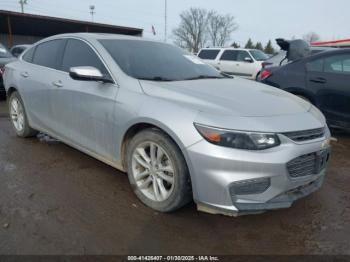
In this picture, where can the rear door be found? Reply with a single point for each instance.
(36, 74)
(330, 76)
(84, 109)
(209, 56)
(233, 62)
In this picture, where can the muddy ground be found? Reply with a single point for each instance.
(57, 200)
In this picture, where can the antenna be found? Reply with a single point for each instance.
(22, 3)
(92, 12)
(165, 20)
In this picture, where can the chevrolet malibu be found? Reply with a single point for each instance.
(179, 128)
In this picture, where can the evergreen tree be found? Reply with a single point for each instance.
(249, 44)
(269, 48)
(235, 45)
(259, 46)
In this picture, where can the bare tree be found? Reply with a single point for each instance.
(191, 33)
(220, 28)
(311, 37)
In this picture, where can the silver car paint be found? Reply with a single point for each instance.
(94, 118)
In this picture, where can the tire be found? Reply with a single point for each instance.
(18, 116)
(169, 172)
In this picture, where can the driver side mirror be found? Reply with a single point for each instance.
(88, 73)
(248, 59)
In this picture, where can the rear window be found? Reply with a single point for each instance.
(209, 54)
(46, 53)
(28, 56)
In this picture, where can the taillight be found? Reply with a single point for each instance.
(265, 74)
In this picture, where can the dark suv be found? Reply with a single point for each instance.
(323, 79)
(5, 57)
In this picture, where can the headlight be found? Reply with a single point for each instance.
(238, 139)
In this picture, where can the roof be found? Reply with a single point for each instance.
(338, 43)
(44, 26)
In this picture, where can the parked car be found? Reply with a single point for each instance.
(17, 50)
(279, 59)
(234, 61)
(5, 57)
(323, 79)
(177, 126)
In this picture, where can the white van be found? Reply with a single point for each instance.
(246, 63)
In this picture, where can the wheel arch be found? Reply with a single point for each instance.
(139, 126)
(11, 90)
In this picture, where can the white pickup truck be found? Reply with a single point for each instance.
(235, 61)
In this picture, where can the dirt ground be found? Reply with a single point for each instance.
(57, 200)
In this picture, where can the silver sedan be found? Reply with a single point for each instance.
(179, 128)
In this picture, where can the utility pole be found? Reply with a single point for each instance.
(92, 12)
(22, 3)
(165, 20)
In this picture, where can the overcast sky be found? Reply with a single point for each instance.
(259, 19)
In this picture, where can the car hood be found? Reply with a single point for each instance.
(237, 97)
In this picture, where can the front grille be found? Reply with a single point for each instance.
(301, 136)
(304, 165)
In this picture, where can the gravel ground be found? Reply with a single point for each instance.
(57, 200)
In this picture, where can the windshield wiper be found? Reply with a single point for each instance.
(156, 78)
(204, 77)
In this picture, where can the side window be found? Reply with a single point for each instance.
(242, 55)
(339, 64)
(46, 53)
(315, 66)
(28, 56)
(78, 53)
(209, 54)
(229, 55)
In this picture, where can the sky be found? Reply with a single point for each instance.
(260, 20)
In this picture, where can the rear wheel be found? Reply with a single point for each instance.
(157, 171)
(18, 116)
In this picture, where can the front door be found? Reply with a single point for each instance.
(85, 108)
(330, 77)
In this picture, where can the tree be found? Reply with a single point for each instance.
(259, 46)
(220, 28)
(235, 45)
(269, 48)
(311, 37)
(192, 31)
(249, 44)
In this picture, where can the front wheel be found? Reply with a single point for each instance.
(18, 116)
(157, 171)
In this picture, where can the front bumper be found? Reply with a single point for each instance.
(215, 169)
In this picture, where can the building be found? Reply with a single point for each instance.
(338, 43)
(18, 28)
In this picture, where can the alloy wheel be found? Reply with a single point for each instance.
(153, 171)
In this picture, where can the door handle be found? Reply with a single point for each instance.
(24, 74)
(57, 83)
(319, 80)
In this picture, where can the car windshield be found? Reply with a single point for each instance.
(259, 55)
(155, 61)
(4, 53)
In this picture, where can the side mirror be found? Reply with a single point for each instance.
(248, 59)
(88, 73)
